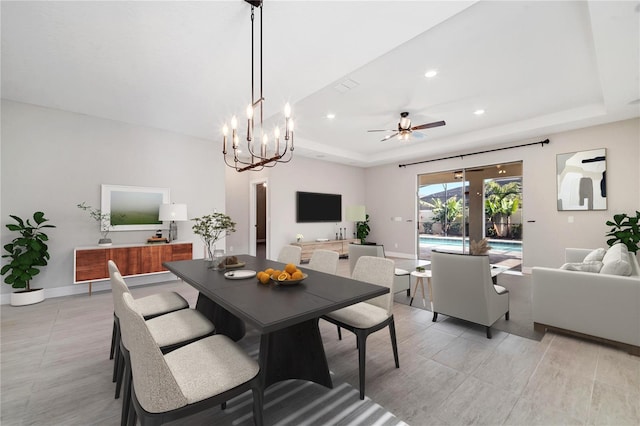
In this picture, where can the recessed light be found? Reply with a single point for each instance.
(331, 116)
(478, 112)
(431, 73)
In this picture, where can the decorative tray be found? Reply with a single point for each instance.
(288, 282)
(241, 274)
(235, 265)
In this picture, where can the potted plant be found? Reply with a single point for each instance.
(211, 228)
(103, 219)
(362, 229)
(27, 253)
(625, 229)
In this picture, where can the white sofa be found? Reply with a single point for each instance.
(601, 306)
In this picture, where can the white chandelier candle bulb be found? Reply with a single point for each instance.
(263, 150)
(291, 131)
(249, 123)
(225, 132)
(276, 135)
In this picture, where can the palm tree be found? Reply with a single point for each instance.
(501, 201)
(445, 212)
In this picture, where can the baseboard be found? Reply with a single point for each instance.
(632, 349)
(105, 285)
(399, 255)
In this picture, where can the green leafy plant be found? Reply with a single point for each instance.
(363, 229)
(625, 229)
(446, 212)
(213, 227)
(103, 219)
(28, 252)
(501, 201)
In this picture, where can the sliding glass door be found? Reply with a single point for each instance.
(443, 209)
(460, 206)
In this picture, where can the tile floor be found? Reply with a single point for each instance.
(55, 369)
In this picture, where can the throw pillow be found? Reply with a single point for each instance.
(616, 261)
(584, 267)
(595, 256)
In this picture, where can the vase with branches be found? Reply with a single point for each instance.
(212, 228)
(103, 219)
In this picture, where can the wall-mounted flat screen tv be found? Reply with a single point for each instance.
(317, 207)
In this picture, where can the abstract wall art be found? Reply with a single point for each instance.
(582, 183)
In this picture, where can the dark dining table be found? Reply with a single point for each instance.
(285, 316)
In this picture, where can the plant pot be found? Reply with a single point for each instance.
(27, 297)
(103, 242)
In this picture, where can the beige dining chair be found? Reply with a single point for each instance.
(193, 378)
(150, 306)
(402, 278)
(324, 261)
(290, 254)
(372, 315)
(169, 331)
(462, 288)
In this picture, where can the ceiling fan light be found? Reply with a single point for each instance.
(431, 73)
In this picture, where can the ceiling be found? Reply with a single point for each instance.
(535, 68)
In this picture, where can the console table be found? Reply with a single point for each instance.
(341, 246)
(90, 263)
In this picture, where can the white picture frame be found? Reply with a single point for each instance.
(133, 208)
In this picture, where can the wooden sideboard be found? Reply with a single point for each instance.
(90, 263)
(341, 246)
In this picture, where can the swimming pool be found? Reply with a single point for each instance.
(457, 241)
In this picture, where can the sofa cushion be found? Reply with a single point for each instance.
(584, 267)
(595, 256)
(616, 261)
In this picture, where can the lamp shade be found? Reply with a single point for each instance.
(173, 212)
(356, 214)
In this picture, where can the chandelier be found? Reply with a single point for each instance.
(264, 155)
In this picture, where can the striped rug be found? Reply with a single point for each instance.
(299, 402)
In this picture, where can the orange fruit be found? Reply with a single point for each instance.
(269, 271)
(275, 274)
(290, 268)
(284, 276)
(297, 275)
(264, 278)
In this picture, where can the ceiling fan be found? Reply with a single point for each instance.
(405, 129)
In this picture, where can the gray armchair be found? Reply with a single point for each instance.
(462, 288)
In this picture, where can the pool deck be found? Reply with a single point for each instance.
(511, 259)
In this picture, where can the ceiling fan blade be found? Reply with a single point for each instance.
(386, 130)
(386, 138)
(429, 125)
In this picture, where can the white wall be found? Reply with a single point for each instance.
(391, 191)
(301, 174)
(53, 160)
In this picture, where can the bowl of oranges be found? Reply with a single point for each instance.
(290, 275)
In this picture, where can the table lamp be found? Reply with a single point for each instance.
(356, 214)
(173, 212)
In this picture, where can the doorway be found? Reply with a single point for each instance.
(258, 230)
(460, 206)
